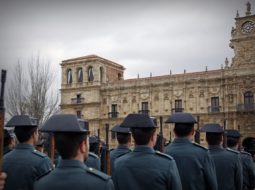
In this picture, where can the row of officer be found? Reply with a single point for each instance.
(233, 140)
(188, 165)
(227, 161)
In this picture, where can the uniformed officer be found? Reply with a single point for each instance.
(71, 140)
(227, 162)
(194, 163)
(249, 146)
(233, 138)
(124, 142)
(9, 140)
(144, 168)
(93, 160)
(24, 164)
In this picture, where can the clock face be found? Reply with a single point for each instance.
(247, 27)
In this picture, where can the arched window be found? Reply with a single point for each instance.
(79, 75)
(101, 74)
(119, 76)
(90, 74)
(248, 98)
(69, 76)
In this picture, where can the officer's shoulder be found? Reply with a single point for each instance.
(98, 174)
(164, 155)
(200, 146)
(233, 151)
(245, 153)
(91, 154)
(112, 149)
(39, 154)
(46, 173)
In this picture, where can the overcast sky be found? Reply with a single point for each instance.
(145, 36)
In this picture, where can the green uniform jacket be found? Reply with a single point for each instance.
(146, 169)
(194, 163)
(93, 161)
(121, 150)
(73, 174)
(228, 168)
(248, 171)
(23, 166)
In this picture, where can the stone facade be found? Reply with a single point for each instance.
(93, 88)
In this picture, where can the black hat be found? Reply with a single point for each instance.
(119, 129)
(181, 118)
(22, 120)
(212, 128)
(233, 133)
(138, 121)
(64, 123)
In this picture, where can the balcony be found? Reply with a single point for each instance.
(147, 112)
(214, 109)
(245, 107)
(175, 110)
(77, 100)
(113, 114)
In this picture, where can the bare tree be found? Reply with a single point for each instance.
(30, 91)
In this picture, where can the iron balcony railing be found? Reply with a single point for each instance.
(77, 100)
(113, 114)
(214, 109)
(174, 110)
(245, 107)
(147, 112)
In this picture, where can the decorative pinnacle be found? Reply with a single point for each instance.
(226, 62)
(248, 8)
(237, 14)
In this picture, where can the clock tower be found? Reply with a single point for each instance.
(243, 39)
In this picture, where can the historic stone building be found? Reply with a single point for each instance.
(93, 88)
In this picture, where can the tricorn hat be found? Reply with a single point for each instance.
(138, 121)
(233, 133)
(181, 118)
(119, 129)
(212, 128)
(22, 120)
(64, 123)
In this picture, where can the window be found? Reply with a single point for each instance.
(178, 105)
(113, 135)
(78, 98)
(90, 74)
(101, 74)
(119, 76)
(78, 113)
(248, 100)
(79, 75)
(145, 108)
(114, 112)
(69, 76)
(215, 104)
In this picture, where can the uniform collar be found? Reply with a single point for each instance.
(122, 147)
(181, 140)
(213, 147)
(142, 148)
(25, 146)
(71, 163)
